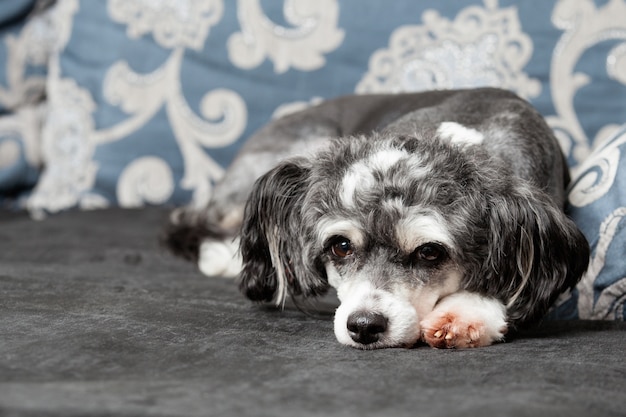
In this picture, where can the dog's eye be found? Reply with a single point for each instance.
(341, 247)
(430, 252)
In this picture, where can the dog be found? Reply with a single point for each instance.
(437, 217)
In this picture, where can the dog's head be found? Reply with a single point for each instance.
(395, 224)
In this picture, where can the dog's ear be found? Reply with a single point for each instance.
(534, 253)
(272, 238)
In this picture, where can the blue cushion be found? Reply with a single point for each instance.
(162, 108)
(598, 206)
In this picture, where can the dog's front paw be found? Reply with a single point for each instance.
(451, 331)
(464, 320)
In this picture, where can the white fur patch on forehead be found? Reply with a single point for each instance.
(329, 227)
(419, 226)
(360, 176)
(386, 158)
(459, 134)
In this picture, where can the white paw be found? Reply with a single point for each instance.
(220, 259)
(464, 320)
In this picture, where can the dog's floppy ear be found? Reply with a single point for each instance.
(272, 237)
(534, 252)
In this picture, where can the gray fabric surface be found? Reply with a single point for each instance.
(96, 319)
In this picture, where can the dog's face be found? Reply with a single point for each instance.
(379, 230)
(394, 225)
(387, 280)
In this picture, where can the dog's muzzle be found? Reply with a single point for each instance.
(366, 327)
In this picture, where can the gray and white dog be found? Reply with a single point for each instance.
(436, 216)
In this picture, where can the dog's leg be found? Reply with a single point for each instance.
(208, 235)
(207, 238)
(464, 320)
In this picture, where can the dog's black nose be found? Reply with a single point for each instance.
(366, 327)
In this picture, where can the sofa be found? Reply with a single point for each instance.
(114, 112)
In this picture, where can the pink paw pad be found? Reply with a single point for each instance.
(450, 331)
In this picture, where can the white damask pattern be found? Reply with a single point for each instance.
(67, 150)
(70, 137)
(30, 47)
(146, 179)
(63, 18)
(596, 179)
(142, 95)
(598, 172)
(302, 46)
(584, 26)
(223, 112)
(481, 47)
(173, 23)
(610, 303)
(69, 169)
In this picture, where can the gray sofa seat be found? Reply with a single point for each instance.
(96, 319)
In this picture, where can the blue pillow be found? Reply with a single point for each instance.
(139, 110)
(154, 99)
(597, 199)
(149, 103)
